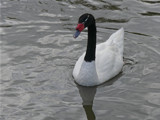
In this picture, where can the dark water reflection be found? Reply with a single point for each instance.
(38, 54)
(87, 94)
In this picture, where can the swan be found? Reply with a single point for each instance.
(100, 62)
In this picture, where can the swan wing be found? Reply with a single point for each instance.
(109, 56)
(108, 63)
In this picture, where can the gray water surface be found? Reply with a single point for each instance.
(38, 54)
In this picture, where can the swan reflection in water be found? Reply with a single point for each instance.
(87, 94)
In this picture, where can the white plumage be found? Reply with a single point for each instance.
(108, 62)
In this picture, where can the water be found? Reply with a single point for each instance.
(38, 54)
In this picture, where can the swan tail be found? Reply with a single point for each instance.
(117, 39)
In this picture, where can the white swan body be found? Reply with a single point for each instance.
(108, 62)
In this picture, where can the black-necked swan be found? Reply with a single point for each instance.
(100, 62)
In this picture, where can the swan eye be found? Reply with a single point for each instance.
(85, 20)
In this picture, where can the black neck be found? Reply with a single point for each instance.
(91, 45)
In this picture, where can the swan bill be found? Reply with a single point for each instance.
(76, 34)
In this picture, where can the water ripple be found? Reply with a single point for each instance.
(38, 54)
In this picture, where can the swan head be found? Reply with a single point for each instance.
(84, 21)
